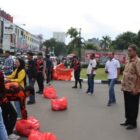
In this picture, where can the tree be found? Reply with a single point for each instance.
(91, 47)
(76, 42)
(52, 46)
(123, 40)
(60, 49)
(105, 43)
(72, 32)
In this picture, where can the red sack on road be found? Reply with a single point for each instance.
(49, 92)
(24, 127)
(59, 104)
(36, 135)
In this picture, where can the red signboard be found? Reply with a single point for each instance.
(121, 57)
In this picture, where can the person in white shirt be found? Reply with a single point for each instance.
(91, 72)
(112, 68)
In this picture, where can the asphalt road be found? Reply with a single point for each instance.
(87, 117)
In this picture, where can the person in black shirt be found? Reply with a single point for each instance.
(32, 74)
(49, 68)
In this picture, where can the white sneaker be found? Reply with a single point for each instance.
(13, 137)
(18, 118)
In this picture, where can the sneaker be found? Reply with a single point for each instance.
(30, 102)
(38, 91)
(130, 127)
(13, 137)
(18, 118)
(74, 87)
(89, 93)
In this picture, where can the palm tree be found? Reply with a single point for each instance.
(76, 40)
(105, 42)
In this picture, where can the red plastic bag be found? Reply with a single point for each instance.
(24, 127)
(36, 135)
(50, 93)
(59, 104)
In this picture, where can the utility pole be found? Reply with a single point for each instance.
(79, 44)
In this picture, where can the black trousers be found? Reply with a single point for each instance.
(9, 117)
(131, 107)
(77, 78)
(40, 81)
(48, 74)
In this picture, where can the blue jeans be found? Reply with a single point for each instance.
(111, 83)
(3, 133)
(18, 109)
(32, 83)
(90, 83)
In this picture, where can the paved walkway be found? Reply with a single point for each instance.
(87, 117)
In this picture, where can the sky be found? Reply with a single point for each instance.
(96, 18)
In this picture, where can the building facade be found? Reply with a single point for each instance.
(13, 37)
(6, 30)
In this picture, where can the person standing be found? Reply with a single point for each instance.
(77, 70)
(112, 68)
(41, 66)
(49, 68)
(131, 88)
(9, 63)
(32, 74)
(91, 72)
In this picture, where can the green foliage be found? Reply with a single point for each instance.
(105, 43)
(59, 48)
(124, 40)
(50, 43)
(91, 47)
(84, 65)
(76, 42)
(72, 32)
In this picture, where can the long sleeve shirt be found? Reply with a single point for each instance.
(19, 79)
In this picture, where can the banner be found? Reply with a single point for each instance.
(8, 28)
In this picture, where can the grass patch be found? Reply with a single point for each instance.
(100, 74)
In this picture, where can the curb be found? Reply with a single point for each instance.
(98, 81)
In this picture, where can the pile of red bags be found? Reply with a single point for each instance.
(49, 92)
(24, 127)
(59, 104)
(36, 135)
(61, 73)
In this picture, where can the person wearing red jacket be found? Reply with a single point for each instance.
(41, 68)
(77, 70)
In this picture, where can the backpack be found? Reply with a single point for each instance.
(12, 87)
